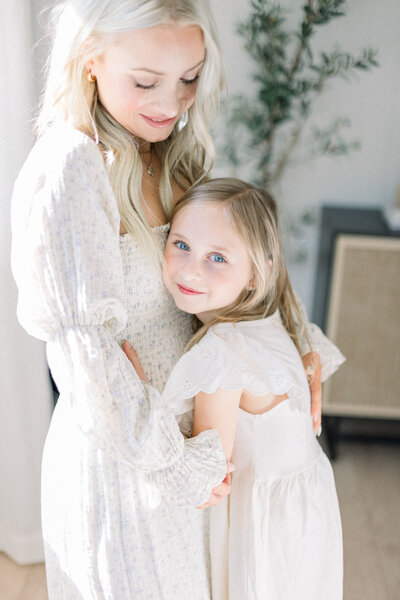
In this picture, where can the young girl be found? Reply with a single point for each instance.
(278, 535)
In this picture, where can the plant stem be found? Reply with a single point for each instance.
(282, 162)
(284, 157)
(300, 49)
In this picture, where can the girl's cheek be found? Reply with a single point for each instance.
(217, 275)
(171, 261)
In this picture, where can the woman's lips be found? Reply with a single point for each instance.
(188, 291)
(158, 123)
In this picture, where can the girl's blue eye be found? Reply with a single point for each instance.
(182, 246)
(218, 258)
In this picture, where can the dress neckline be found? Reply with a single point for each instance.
(250, 323)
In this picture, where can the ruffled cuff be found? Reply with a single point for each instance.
(189, 481)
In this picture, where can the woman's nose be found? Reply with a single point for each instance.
(168, 103)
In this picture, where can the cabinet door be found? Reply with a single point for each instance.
(364, 321)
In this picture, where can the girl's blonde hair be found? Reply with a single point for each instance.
(253, 214)
(83, 29)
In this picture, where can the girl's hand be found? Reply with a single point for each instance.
(312, 366)
(222, 490)
(134, 359)
(219, 492)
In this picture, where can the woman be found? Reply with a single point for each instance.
(124, 130)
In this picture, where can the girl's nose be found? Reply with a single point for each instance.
(193, 271)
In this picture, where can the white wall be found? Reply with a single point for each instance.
(369, 177)
(25, 393)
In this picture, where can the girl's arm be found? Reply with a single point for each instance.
(223, 489)
(218, 411)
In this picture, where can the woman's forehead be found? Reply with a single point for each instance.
(159, 49)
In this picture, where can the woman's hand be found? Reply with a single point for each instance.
(134, 359)
(312, 366)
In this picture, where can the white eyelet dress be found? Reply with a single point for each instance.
(278, 535)
(119, 484)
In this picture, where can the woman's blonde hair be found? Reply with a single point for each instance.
(83, 29)
(253, 214)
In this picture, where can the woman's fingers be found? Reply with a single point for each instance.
(134, 359)
(312, 366)
(315, 389)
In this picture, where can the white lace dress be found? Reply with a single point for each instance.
(119, 483)
(278, 535)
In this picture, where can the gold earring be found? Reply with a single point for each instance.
(90, 77)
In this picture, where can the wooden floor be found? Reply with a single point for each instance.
(21, 583)
(368, 483)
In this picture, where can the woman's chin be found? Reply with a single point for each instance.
(150, 134)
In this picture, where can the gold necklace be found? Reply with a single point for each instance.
(149, 166)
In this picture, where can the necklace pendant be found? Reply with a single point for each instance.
(150, 170)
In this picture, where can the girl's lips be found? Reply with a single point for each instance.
(188, 291)
(159, 124)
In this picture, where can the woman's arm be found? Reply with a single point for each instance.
(68, 268)
(327, 356)
(320, 361)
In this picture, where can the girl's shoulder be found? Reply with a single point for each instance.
(260, 337)
(256, 329)
(258, 356)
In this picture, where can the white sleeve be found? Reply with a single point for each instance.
(330, 355)
(67, 265)
(232, 361)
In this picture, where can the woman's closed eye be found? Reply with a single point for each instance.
(142, 86)
(151, 86)
(191, 81)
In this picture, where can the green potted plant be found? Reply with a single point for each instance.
(290, 77)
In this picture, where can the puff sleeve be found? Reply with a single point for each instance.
(227, 357)
(330, 355)
(67, 265)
